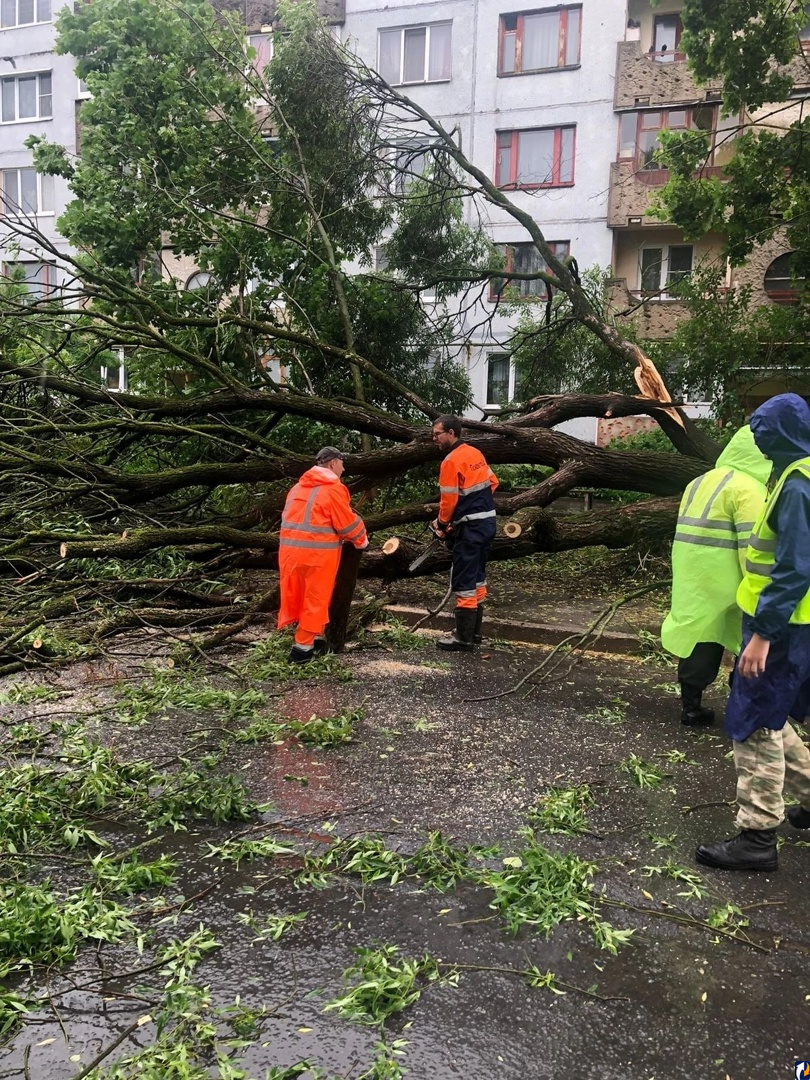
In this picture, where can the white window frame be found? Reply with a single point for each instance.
(254, 41)
(48, 276)
(510, 391)
(123, 378)
(662, 292)
(82, 93)
(16, 79)
(402, 30)
(38, 6)
(12, 212)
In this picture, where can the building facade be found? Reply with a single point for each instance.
(561, 105)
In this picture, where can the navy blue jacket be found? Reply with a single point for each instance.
(781, 430)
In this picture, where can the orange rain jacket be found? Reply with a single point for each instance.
(466, 484)
(317, 519)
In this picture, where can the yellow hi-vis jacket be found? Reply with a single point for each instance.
(715, 518)
(761, 554)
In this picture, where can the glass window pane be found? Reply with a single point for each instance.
(8, 99)
(504, 158)
(8, 13)
(45, 95)
(46, 192)
(680, 262)
(390, 43)
(440, 52)
(572, 37)
(263, 44)
(703, 117)
(541, 41)
(651, 260)
(528, 260)
(666, 31)
(44, 10)
(627, 135)
(27, 96)
(11, 192)
(498, 380)
(535, 157)
(508, 52)
(414, 67)
(647, 145)
(28, 191)
(676, 118)
(566, 155)
(26, 11)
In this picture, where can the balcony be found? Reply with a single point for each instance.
(643, 81)
(655, 319)
(631, 190)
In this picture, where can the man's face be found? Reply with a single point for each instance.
(443, 439)
(337, 467)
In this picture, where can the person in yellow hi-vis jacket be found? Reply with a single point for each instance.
(715, 518)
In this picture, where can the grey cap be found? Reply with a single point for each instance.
(327, 454)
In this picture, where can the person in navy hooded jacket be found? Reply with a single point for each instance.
(772, 680)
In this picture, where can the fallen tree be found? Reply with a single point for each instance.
(124, 507)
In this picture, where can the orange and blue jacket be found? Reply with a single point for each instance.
(318, 516)
(466, 484)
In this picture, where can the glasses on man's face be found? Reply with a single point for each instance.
(436, 434)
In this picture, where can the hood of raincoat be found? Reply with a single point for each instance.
(781, 429)
(317, 476)
(742, 454)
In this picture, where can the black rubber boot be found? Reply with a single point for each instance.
(461, 640)
(321, 646)
(750, 849)
(479, 619)
(300, 656)
(798, 817)
(693, 713)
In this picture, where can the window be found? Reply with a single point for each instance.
(200, 280)
(783, 282)
(415, 54)
(662, 267)
(804, 33)
(412, 157)
(666, 38)
(114, 376)
(640, 133)
(25, 191)
(24, 12)
(82, 91)
(539, 40)
(499, 373)
(36, 276)
(26, 97)
(540, 158)
(380, 258)
(524, 259)
(263, 46)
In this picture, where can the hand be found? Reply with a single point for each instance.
(436, 527)
(364, 545)
(753, 657)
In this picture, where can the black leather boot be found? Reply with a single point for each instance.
(300, 656)
(750, 849)
(479, 619)
(694, 714)
(461, 640)
(798, 817)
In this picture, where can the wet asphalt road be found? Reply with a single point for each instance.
(685, 1003)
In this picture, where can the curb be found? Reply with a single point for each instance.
(529, 633)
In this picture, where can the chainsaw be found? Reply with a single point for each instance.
(433, 548)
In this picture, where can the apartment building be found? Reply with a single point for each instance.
(562, 105)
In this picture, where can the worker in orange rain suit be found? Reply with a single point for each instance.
(317, 520)
(467, 521)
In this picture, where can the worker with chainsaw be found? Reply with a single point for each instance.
(772, 678)
(467, 522)
(715, 518)
(317, 520)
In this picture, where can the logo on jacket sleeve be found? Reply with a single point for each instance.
(802, 1070)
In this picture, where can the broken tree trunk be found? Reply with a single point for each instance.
(342, 597)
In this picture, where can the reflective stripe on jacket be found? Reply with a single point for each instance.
(466, 484)
(761, 553)
(318, 516)
(715, 519)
